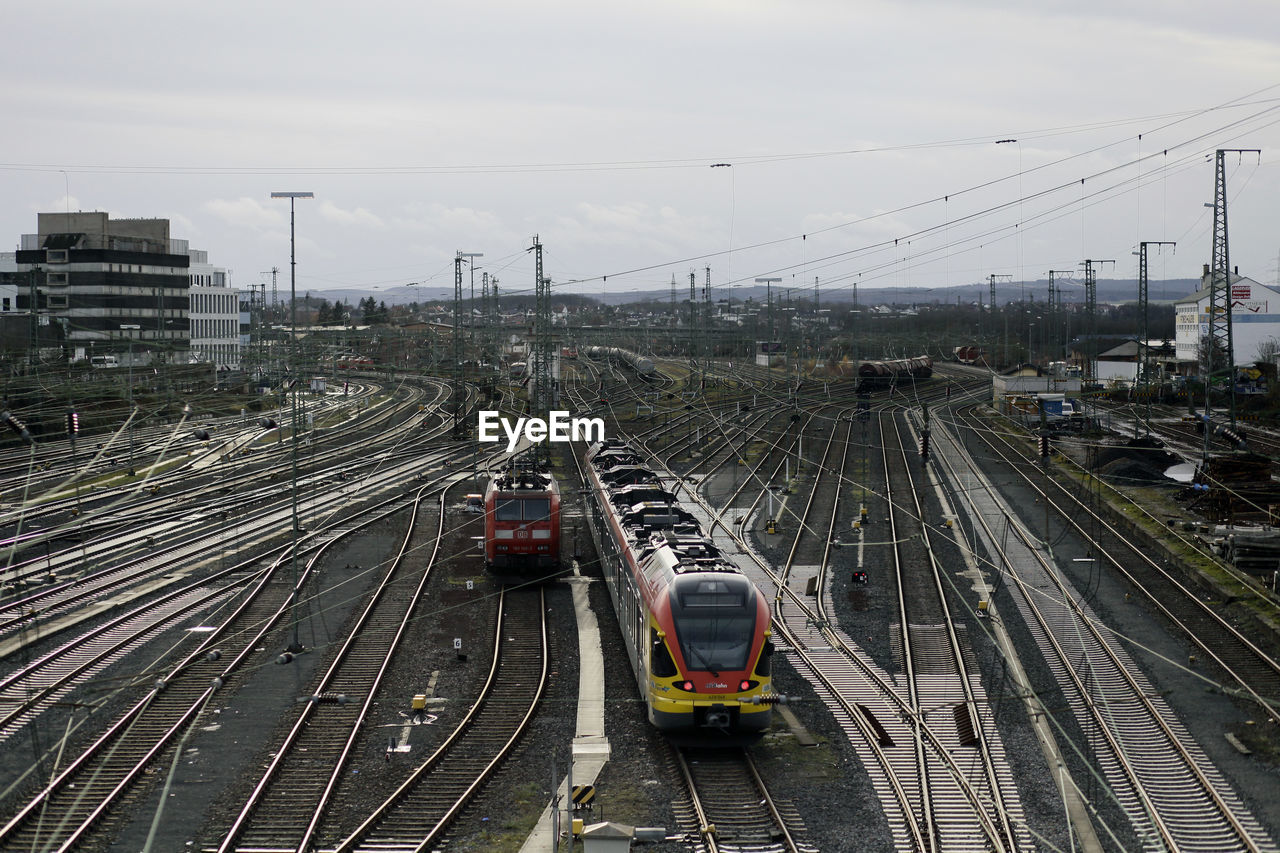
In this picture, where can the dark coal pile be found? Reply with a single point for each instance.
(1140, 461)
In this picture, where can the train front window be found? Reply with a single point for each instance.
(537, 509)
(714, 620)
(507, 510)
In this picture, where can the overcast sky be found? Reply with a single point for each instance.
(864, 137)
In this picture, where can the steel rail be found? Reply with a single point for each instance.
(885, 690)
(958, 658)
(110, 741)
(431, 832)
(1269, 706)
(710, 829)
(1104, 721)
(341, 660)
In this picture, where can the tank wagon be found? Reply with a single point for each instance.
(696, 628)
(883, 374)
(641, 365)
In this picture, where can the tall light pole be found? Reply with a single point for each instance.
(294, 644)
(471, 307)
(130, 327)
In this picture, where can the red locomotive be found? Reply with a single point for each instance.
(696, 629)
(522, 526)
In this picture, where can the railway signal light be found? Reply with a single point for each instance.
(924, 445)
(17, 426)
(73, 424)
(1235, 436)
(1044, 447)
(859, 577)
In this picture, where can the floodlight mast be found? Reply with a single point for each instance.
(295, 645)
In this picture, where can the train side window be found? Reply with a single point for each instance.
(660, 661)
(507, 510)
(764, 666)
(537, 509)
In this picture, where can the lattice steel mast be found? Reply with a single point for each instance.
(1221, 347)
(541, 390)
(457, 346)
(459, 428)
(1091, 316)
(1144, 367)
(1055, 307)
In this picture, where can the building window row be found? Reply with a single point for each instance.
(202, 328)
(213, 303)
(143, 268)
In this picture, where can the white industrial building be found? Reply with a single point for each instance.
(215, 314)
(1255, 322)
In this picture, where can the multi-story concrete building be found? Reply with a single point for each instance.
(8, 282)
(116, 286)
(214, 313)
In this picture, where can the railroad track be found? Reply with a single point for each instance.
(416, 817)
(69, 808)
(865, 701)
(37, 685)
(130, 504)
(1156, 773)
(34, 614)
(286, 805)
(732, 807)
(1255, 673)
(957, 816)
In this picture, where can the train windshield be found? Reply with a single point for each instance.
(522, 509)
(537, 509)
(714, 619)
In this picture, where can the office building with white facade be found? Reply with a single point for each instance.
(215, 314)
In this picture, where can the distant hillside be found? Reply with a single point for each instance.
(1109, 290)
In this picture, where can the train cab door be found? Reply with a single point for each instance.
(641, 643)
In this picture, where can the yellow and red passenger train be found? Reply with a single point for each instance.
(522, 526)
(696, 629)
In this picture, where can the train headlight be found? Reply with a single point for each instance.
(686, 686)
(744, 686)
